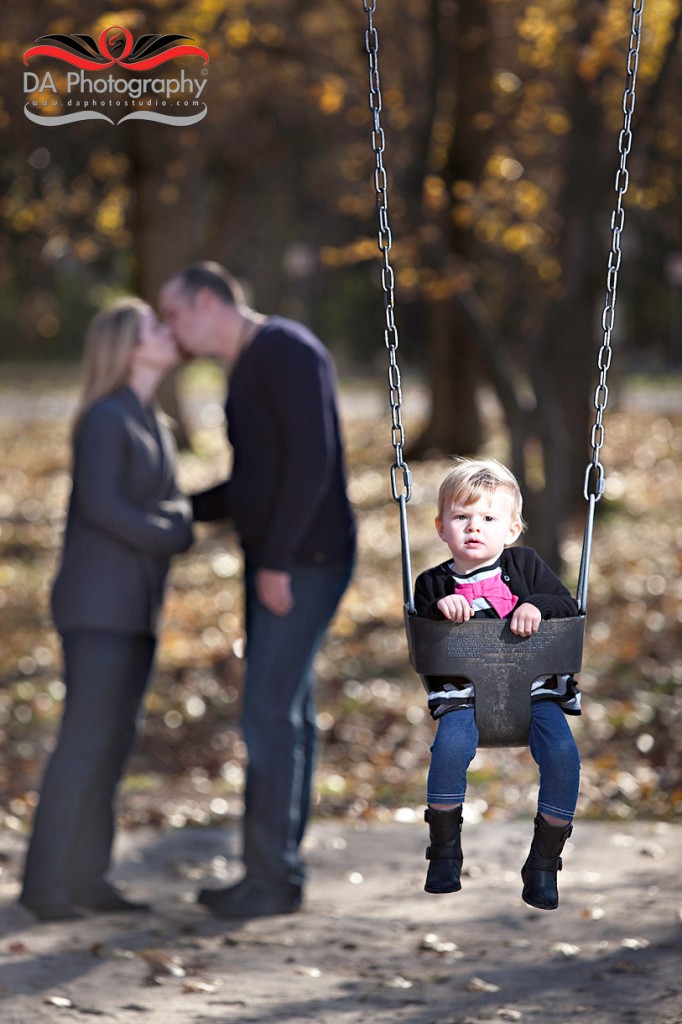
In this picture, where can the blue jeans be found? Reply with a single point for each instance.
(279, 720)
(105, 675)
(551, 744)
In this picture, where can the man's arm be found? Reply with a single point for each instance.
(214, 503)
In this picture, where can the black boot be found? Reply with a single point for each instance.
(543, 861)
(444, 852)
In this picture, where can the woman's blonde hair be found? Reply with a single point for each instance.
(109, 342)
(471, 478)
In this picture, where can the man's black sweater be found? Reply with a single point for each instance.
(287, 492)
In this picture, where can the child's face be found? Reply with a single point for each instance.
(478, 532)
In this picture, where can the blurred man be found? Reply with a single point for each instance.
(287, 500)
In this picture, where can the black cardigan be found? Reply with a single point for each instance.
(526, 575)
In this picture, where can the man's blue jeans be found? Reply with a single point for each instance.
(279, 720)
(551, 744)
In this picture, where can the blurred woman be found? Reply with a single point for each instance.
(126, 519)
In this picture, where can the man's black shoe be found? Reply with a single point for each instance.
(251, 899)
(207, 897)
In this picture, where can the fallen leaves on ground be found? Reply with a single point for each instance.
(374, 731)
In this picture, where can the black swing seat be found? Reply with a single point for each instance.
(501, 666)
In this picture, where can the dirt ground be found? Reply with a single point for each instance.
(370, 946)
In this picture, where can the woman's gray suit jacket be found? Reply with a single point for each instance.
(125, 520)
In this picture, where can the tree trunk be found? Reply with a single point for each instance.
(166, 176)
(454, 427)
(565, 371)
(454, 368)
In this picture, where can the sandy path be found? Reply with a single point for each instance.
(370, 946)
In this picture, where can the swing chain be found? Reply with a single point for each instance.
(385, 242)
(594, 474)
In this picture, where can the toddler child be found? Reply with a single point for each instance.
(479, 517)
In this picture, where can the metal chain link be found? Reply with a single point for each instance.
(385, 242)
(594, 473)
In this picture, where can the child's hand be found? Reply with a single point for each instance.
(455, 607)
(526, 619)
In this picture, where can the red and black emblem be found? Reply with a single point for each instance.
(115, 46)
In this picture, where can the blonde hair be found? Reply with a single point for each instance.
(109, 342)
(471, 478)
